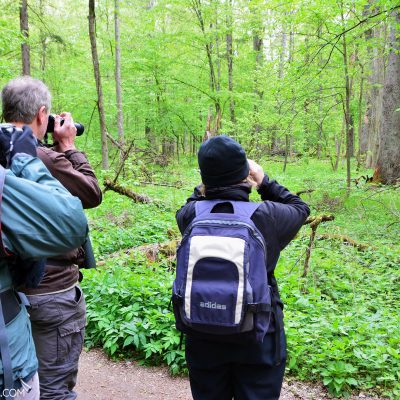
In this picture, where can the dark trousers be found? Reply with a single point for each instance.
(222, 371)
(58, 327)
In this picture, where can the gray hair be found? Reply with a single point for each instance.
(22, 98)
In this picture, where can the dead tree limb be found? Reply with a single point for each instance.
(115, 142)
(152, 251)
(177, 185)
(345, 239)
(124, 158)
(319, 219)
(300, 192)
(314, 223)
(137, 198)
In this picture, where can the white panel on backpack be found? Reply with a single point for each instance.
(227, 248)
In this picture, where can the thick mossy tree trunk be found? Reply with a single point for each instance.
(388, 164)
(373, 112)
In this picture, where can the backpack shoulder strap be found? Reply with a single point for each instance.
(242, 208)
(204, 207)
(245, 208)
(3, 251)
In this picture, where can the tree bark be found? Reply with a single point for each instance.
(361, 138)
(229, 56)
(97, 76)
(43, 38)
(373, 113)
(258, 59)
(214, 82)
(388, 164)
(25, 48)
(346, 106)
(137, 198)
(120, 119)
(258, 45)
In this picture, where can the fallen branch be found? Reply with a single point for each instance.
(346, 240)
(151, 251)
(115, 142)
(300, 192)
(166, 249)
(314, 223)
(177, 185)
(318, 219)
(124, 158)
(138, 198)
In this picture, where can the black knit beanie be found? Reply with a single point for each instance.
(222, 162)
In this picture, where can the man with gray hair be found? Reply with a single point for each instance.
(57, 310)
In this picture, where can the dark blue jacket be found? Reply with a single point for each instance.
(279, 217)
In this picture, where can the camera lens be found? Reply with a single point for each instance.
(50, 126)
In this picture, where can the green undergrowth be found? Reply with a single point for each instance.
(342, 319)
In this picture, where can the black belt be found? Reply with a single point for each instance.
(10, 305)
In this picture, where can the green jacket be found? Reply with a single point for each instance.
(39, 219)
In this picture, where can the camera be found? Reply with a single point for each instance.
(50, 126)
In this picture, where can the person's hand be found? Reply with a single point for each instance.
(64, 135)
(256, 172)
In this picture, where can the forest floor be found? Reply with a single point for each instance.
(103, 379)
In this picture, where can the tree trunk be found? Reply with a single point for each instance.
(320, 103)
(388, 164)
(229, 56)
(97, 76)
(218, 58)
(214, 81)
(346, 105)
(25, 48)
(258, 46)
(362, 143)
(291, 52)
(373, 112)
(338, 146)
(43, 38)
(282, 57)
(120, 119)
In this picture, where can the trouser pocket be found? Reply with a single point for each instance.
(70, 340)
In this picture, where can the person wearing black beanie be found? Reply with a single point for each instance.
(222, 162)
(220, 368)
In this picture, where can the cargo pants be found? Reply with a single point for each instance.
(58, 327)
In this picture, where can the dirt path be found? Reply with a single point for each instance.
(102, 379)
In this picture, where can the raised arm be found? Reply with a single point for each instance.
(287, 210)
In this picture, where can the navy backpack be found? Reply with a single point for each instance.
(221, 287)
